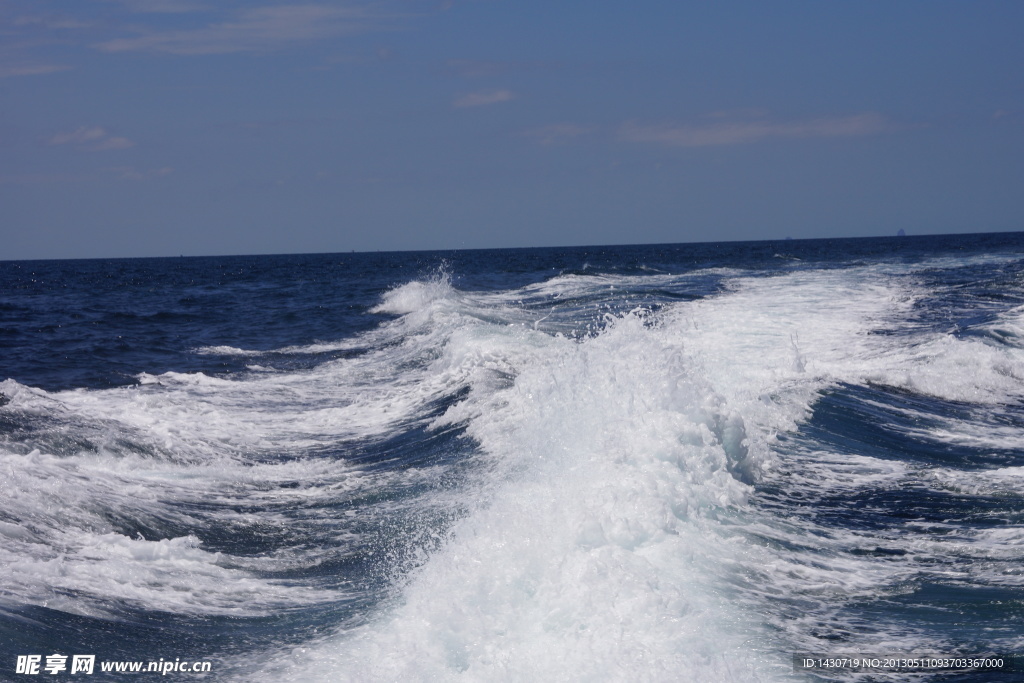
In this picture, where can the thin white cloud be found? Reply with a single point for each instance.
(79, 136)
(51, 22)
(484, 98)
(11, 70)
(132, 173)
(738, 114)
(264, 28)
(558, 133)
(119, 172)
(1008, 115)
(162, 6)
(739, 132)
(475, 68)
(41, 178)
(91, 138)
(112, 143)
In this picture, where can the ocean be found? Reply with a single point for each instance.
(689, 462)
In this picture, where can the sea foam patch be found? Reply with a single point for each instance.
(622, 452)
(598, 489)
(590, 545)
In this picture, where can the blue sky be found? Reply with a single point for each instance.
(166, 127)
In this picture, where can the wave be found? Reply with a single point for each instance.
(612, 461)
(604, 460)
(596, 509)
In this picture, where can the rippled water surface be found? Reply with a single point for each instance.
(661, 463)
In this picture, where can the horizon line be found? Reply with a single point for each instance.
(901, 234)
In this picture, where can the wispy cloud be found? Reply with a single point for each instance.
(91, 138)
(9, 70)
(739, 132)
(264, 28)
(41, 178)
(483, 98)
(129, 173)
(162, 6)
(558, 133)
(79, 136)
(476, 68)
(1008, 115)
(112, 143)
(132, 173)
(50, 22)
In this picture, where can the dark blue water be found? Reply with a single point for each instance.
(594, 463)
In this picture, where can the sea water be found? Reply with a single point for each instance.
(640, 463)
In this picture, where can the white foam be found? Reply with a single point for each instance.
(607, 532)
(418, 296)
(67, 552)
(1002, 481)
(96, 574)
(226, 351)
(821, 324)
(585, 552)
(595, 547)
(1009, 328)
(592, 544)
(955, 369)
(299, 349)
(771, 344)
(187, 450)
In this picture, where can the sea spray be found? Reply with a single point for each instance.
(591, 549)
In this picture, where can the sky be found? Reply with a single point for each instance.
(200, 127)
